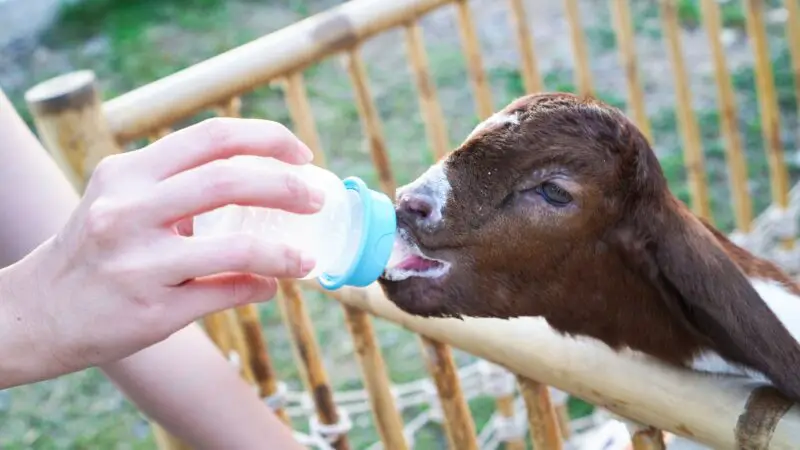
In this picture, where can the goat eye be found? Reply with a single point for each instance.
(554, 194)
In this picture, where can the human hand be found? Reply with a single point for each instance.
(125, 272)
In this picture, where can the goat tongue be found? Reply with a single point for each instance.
(417, 264)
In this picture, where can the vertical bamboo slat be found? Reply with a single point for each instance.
(259, 362)
(458, 421)
(793, 35)
(384, 409)
(307, 353)
(302, 118)
(583, 73)
(648, 439)
(370, 122)
(472, 51)
(693, 150)
(737, 165)
(429, 105)
(544, 425)
(623, 24)
(373, 369)
(768, 106)
(531, 78)
(67, 112)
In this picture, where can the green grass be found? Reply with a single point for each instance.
(148, 39)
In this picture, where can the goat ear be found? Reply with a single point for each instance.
(708, 292)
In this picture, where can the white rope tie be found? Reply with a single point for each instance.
(496, 380)
(331, 432)
(739, 238)
(785, 223)
(557, 397)
(277, 400)
(235, 359)
(435, 412)
(508, 428)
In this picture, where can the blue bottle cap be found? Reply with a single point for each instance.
(377, 239)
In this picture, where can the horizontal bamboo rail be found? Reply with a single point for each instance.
(134, 114)
(703, 408)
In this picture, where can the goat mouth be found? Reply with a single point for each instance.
(407, 261)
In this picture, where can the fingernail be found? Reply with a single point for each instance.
(307, 154)
(307, 263)
(316, 198)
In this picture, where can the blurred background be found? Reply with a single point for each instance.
(131, 43)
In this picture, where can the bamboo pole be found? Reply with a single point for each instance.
(309, 359)
(793, 36)
(472, 52)
(531, 78)
(768, 107)
(737, 164)
(302, 117)
(458, 421)
(690, 404)
(692, 150)
(583, 73)
(67, 112)
(385, 413)
(387, 417)
(430, 108)
(370, 121)
(626, 40)
(544, 424)
(240, 70)
(648, 439)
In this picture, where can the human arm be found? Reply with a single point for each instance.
(182, 380)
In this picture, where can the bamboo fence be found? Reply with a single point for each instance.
(80, 129)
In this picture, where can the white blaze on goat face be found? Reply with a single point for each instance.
(434, 185)
(407, 260)
(495, 120)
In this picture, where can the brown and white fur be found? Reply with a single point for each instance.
(557, 207)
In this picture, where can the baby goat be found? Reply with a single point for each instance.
(557, 207)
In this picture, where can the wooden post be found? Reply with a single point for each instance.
(531, 78)
(693, 147)
(544, 424)
(67, 112)
(768, 107)
(737, 164)
(583, 74)
(621, 13)
(648, 439)
(309, 359)
(472, 51)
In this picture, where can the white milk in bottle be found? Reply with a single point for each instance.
(350, 238)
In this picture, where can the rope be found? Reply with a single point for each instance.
(331, 432)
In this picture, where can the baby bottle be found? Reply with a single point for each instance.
(350, 238)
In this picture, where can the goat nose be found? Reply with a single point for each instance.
(416, 205)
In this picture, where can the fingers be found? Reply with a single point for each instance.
(200, 297)
(224, 182)
(220, 138)
(198, 257)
